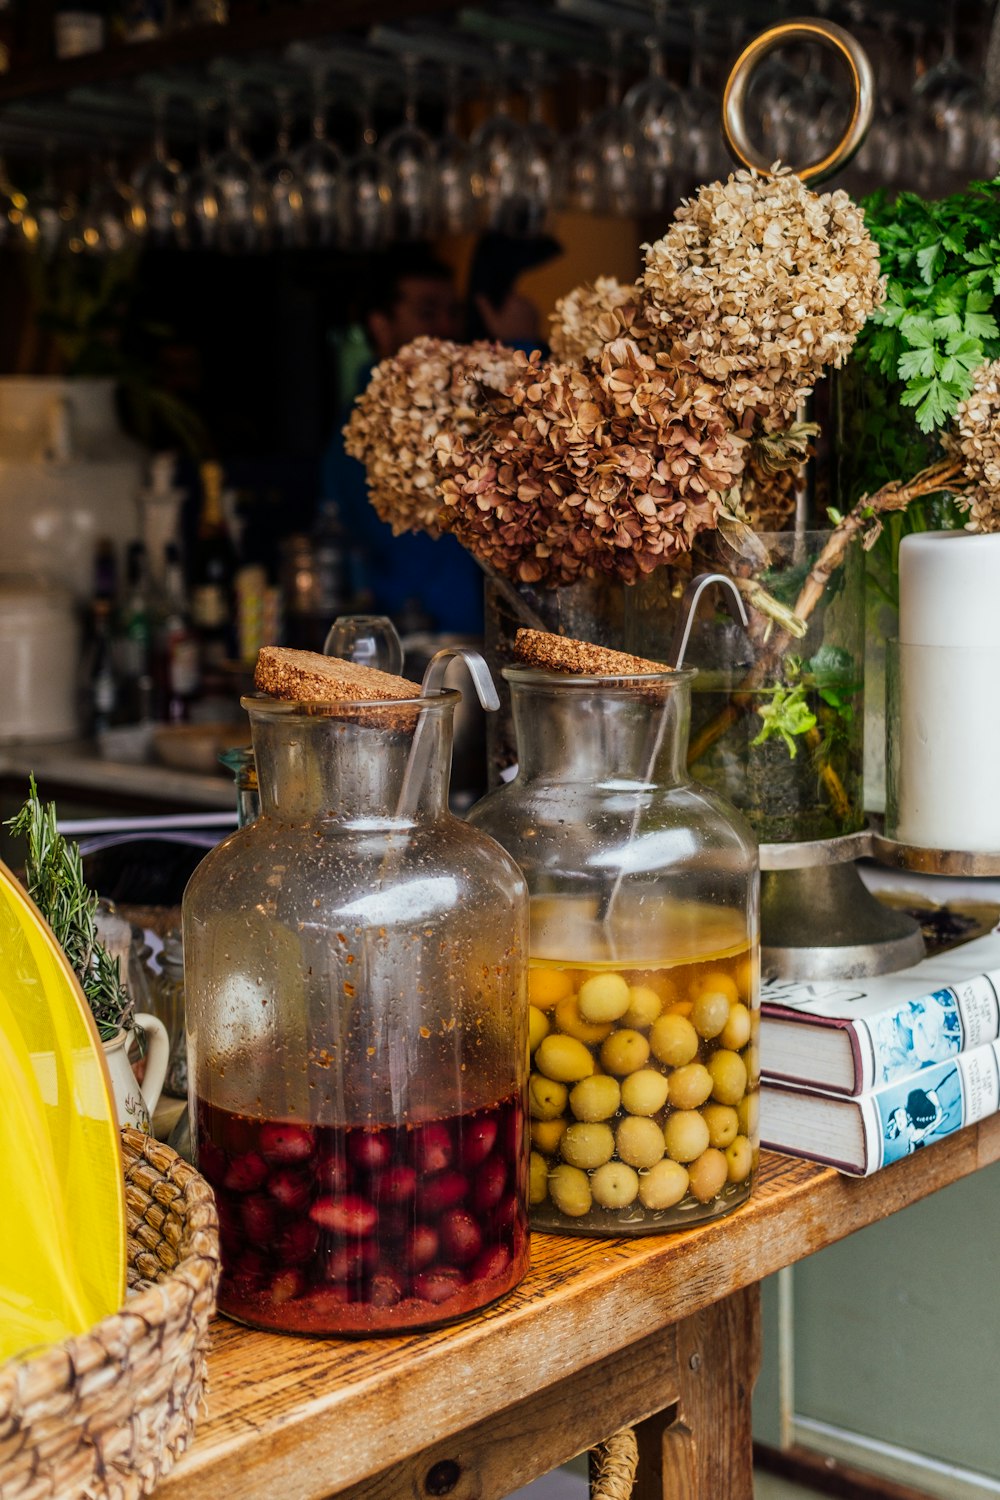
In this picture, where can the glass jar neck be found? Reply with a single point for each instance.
(594, 730)
(377, 762)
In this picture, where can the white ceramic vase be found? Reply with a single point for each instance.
(135, 1101)
(68, 476)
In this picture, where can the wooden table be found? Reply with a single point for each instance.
(662, 1332)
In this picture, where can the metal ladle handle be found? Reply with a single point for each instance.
(734, 126)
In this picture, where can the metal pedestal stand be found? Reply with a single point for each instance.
(820, 921)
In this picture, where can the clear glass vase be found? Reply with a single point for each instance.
(644, 958)
(354, 974)
(787, 749)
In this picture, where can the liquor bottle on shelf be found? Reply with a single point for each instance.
(135, 633)
(177, 676)
(212, 571)
(102, 675)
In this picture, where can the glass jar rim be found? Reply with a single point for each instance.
(350, 707)
(544, 677)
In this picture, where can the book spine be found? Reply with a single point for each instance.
(917, 1111)
(927, 1030)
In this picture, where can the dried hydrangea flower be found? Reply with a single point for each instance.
(763, 283)
(591, 316)
(611, 469)
(430, 386)
(976, 442)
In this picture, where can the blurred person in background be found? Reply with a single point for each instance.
(421, 582)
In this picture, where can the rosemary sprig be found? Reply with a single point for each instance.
(55, 882)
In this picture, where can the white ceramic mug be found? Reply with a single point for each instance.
(136, 1102)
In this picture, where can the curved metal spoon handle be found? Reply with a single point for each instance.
(732, 598)
(482, 680)
(807, 29)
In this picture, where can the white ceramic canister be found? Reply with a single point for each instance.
(68, 476)
(40, 651)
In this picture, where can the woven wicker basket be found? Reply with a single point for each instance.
(107, 1414)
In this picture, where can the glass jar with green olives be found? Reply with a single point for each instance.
(644, 957)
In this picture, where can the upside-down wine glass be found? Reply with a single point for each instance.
(655, 110)
(408, 153)
(319, 166)
(368, 184)
(284, 196)
(157, 184)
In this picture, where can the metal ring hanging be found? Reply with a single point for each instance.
(862, 79)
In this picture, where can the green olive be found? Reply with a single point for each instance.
(614, 1185)
(644, 1005)
(587, 1145)
(748, 1114)
(708, 1175)
(723, 1124)
(603, 997)
(673, 1040)
(569, 1190)
(546, 986)
(717, 981)
(546, 1099)
(686, 1135)
(595, 1098)
(563, 1059)
(729, 1076)
(538, 1026)
(710, 1012)
(570, 1021)
(736, 1032)
(624, 1051)
(538, 1178)
(639, 1141)
(739, 1159)
(644, 1092)
(546, 1134)
(663, 1185)
(690, 1086)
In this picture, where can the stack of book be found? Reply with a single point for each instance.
(858, 1073)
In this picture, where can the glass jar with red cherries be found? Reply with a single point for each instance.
(355, 967)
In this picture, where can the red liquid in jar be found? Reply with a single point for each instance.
(328, 1230)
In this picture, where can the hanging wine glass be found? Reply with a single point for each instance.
(319, 167)
(458, 190)
(495, 147)
(578, 168)
(655, 111)
(408, 153)
(619, 190)
(18, 224)
(534, 156)
(52, 210)
(111, 216)
(237, 186)
(157, 184)
(368, 184)
(701, 151)
(284, 196)
(950, 100)
(199, 192)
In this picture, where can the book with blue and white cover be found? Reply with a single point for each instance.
(853, 1036)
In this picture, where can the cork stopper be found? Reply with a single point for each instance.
(559, 653)
(308, 677)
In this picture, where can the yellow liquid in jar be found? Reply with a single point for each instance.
(643, 1088)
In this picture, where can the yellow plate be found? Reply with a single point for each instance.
(62, 1197)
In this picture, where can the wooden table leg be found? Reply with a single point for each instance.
(702, 1448)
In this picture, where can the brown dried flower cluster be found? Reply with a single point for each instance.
(613, 468)
(589, 317)
(618, 452)
(977, 444)
(763, 283)
(430, 386)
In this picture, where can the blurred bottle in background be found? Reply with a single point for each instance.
(135, 641)
(176, 645)
(314, 582)
(213, 568)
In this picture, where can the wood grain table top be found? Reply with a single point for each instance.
(279, 1406)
